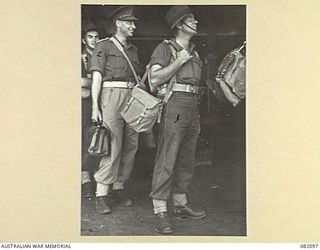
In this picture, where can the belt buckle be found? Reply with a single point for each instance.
(191, 88)
(195, 89)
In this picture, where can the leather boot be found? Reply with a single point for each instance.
(86, 190)
(122, 198)
(187, 212)
(103, 205)
(163, 224)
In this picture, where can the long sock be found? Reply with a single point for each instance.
(102, 189)
(179, 200)
(159, 206)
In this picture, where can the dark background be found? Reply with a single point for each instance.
(220, 28)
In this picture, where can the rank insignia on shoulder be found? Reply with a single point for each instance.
(167, 41)
(85, 58)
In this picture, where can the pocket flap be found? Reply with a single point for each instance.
(148, 100)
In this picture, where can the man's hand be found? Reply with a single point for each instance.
(96, 116)
(160, 75)
(183, 56)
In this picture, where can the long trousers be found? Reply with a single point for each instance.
(117, 166)
(178, 134)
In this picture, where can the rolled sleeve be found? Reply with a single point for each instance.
(161, 55)
(98, 61)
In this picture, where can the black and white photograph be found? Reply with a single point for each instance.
(163, 94)
(195, 122)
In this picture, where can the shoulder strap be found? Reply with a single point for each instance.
(119, 46)
(103, 39)
(173, 79)
(242, 46)
(172, 48)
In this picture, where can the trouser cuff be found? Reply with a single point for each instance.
(159, 206)
(85, 177)
(179, 200)
(118, 185)
(102, 189)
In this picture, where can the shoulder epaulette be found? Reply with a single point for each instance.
(167, 41)
(84, 57)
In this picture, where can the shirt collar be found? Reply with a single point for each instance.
(129, 44)
(178, 47)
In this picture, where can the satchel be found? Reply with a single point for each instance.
(101, 142)
(231, 77)
(143, 109)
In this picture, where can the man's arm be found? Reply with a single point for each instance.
(160, 75)
(95, 92)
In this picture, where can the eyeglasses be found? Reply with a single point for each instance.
(190, 18)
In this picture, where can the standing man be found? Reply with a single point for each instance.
(180, 126)
(90, 36)
(112, 84)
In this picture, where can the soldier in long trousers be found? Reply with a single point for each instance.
(180, 126)
(112, 84)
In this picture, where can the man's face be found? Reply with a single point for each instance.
(90, 39)
(126, 28)
(189, 24)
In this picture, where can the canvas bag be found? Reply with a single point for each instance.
(142, 109)
(231, 76)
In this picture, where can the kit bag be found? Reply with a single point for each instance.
(101, 142)
(143, 109)
(231, 77)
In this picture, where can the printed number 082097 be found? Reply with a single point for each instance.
(308, 245)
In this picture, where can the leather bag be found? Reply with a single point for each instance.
(101, 142)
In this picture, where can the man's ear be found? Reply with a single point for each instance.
(83, 41)
(118, 23)
(179, 25)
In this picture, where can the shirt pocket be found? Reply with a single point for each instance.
(116, 63)
(136, 65)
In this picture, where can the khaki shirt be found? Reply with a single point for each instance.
(110, 62)
(189, 73)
